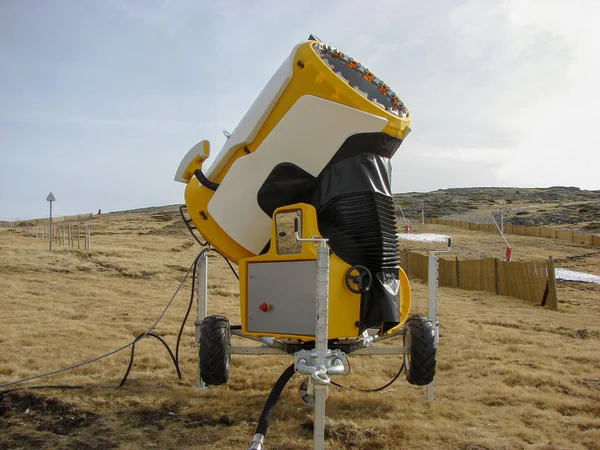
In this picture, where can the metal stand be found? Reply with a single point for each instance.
(432, 284)
(320, 362)
(201, 306)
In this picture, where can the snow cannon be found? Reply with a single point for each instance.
(311, 158)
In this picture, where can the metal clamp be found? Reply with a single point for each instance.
(320, 366)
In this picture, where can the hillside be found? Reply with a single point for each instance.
(510, 375)
(566, 207)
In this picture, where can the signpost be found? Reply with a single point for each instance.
(51, 199)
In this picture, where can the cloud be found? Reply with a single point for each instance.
(108, 97)
(102, 122)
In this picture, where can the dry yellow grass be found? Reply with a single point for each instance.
(510, 375)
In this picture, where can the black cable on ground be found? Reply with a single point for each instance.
(123, 347)
(140, 337)
(376, 389)
(267, 412)
(185, 318)
(174, 358)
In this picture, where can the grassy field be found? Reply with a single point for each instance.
(510, 375)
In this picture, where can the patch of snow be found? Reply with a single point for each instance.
(572, 275)
(423, 237)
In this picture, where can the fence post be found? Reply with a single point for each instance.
(78, 245)
(552, 301)
(88, 238)
(496, 280)
(457, 275)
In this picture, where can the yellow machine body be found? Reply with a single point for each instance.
(307, 98)
(344, 305)
(311, 77)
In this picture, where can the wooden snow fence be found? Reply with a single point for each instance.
(592, 240)
(533, 281)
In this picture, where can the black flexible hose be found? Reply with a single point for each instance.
(140, 337)
(381, 388)
(230, 265)
(205, 181)
(267, 412)
(187, 314)
(191, 303)
(106, 355)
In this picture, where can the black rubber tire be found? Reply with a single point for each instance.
(420, 361)
(215, 337)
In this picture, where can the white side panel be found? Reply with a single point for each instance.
(200, 150)
(248, 128)
(308, 135)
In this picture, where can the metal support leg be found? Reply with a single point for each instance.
(322, 353)
(433, 292)
(432, 282)
(319, 431)
(201, 306)
(320, 364)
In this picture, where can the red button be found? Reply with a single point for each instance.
(264, 307)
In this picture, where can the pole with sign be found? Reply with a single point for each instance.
(51, 199)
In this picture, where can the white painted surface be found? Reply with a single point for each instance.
(423, 237)
(255, 117)
(308, 135)
(201, 150)
(572, 275)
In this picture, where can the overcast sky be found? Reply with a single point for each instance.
(100, 100)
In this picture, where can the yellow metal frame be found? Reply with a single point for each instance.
(344, 305)
(311, 76)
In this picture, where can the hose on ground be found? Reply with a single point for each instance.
(267, 412)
